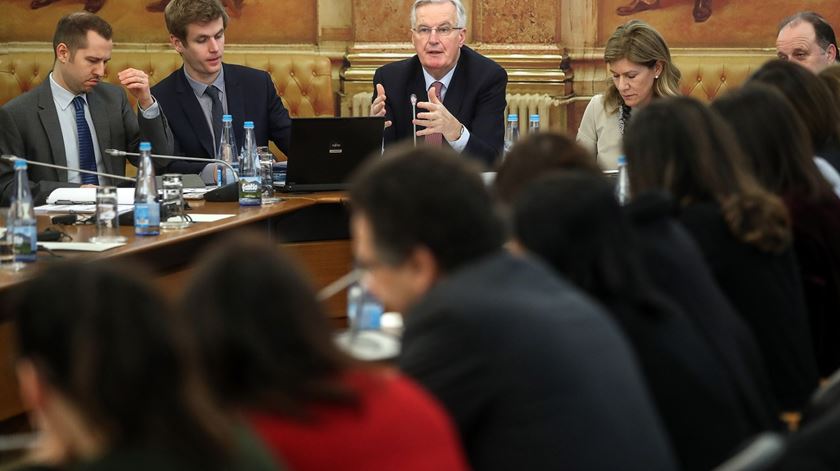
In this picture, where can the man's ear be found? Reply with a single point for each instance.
(832, 53)
(176, 43)
(31, 384)
(425, 268)
(62, 53)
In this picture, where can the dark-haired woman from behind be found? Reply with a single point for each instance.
(813, 102)
(573, 221)
(779, 152)
(679, 145)
(111, 383)
(268, 349)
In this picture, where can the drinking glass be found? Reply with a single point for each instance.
(107, 216)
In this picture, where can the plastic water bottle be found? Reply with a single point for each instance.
(226, 150)
(249, 170)
(533, 124)
(22, 217)
(146, 207)
(622, 184)
(511, 131)
(364, 311)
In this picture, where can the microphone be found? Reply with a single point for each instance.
(413, 99)
(12, 158)
(122, 153)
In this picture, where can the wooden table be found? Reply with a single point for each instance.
(312, 227)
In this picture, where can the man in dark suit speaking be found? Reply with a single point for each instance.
(460, 93)
(534, 373)
(195, 97)
(71, 117)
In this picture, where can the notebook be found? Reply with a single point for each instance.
(324, 152)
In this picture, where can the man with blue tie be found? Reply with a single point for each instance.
(71, 118)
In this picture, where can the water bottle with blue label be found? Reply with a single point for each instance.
(534, 124)
(22, 221)
(364, 311)
(511, 131)
(226, 152)
(622, 184)
(146, 207)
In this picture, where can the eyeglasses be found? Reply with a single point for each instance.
(442, 31)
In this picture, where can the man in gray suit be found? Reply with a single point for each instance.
(534, 374)
(71, 118)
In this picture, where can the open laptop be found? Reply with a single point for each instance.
(325, 151)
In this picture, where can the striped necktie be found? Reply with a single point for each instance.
(87, 157)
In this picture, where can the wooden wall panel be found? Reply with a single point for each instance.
(517, 21)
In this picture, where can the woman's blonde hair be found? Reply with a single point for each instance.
(638, 42)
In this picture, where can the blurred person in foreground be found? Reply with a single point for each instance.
(534, 373)
(268, 349)
(111, 380)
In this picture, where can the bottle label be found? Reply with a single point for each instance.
(25, 242)
(249, 191)
(146, 218)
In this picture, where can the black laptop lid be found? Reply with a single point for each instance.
(325, 151)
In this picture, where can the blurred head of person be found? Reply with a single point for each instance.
(418, 215)
(806, 38)
(640, 65)
(103, 366)
(537, 154)
(809, 96)
(831, 78)
(775, 141)
(680, 146)
(572, 220)
(264, 340)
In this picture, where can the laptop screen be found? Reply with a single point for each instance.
(325, 151)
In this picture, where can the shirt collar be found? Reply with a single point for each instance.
(62, 96)
(445, 80)
(198, 87)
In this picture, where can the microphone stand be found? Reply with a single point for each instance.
(122, 153)
(12, 158)
(413, 99)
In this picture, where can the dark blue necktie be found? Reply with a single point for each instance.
(216, 112)
(87, 158)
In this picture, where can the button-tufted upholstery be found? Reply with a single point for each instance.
(707, 76)
(303, 80)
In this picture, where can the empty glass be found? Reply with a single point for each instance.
(267, 175)
(107, 216)
(7, 243)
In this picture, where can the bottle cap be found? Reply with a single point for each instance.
(227, 118)
(535, 118)
(622, 160)
(513, 117)
(145, 146)
(249, 125)
(20, 163)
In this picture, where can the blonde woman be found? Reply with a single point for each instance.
(640, 65)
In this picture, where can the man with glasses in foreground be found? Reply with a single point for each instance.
(459, 94)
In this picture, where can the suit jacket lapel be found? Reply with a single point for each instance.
(101, 123)
(194, 114)
(236, 104)
(52, 128)
(417, 86)
(457, 87)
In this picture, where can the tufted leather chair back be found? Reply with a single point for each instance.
(303, 80)
(707, 76)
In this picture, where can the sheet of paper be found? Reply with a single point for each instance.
(67, 196)
(76, 208)
(205, 217)
(80, 246)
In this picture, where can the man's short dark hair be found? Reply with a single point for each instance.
(427, 197)
(823, 30)
(181, 13)
(72, 30)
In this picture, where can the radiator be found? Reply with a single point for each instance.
(361, 104)
(526, 104)
(523, 104)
